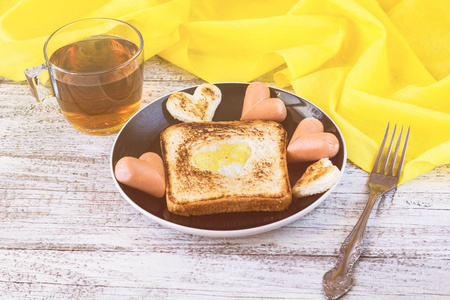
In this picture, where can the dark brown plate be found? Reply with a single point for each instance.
(141, 134)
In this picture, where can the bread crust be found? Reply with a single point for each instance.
(198, 107)
(262, 184)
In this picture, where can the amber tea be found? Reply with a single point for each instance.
(99, 86)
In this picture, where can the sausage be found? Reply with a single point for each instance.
(307, 125)
(145, 174)
(267, 109)
(313, 146)
(255, 92)
(154, 159)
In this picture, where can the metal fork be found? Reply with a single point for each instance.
(339, 280)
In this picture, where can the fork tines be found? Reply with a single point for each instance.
(387, 155)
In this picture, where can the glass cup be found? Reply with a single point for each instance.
(95, 70)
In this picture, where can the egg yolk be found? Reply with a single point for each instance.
(229, 159)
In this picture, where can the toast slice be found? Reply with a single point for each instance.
(219, 167)
(318, 178)
(199, 107)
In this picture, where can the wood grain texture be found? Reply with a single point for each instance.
(67, 233)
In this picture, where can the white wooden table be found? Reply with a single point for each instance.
(66, 232)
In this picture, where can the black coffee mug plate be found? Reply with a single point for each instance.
(141, 134)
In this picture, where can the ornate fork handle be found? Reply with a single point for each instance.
(339, 280)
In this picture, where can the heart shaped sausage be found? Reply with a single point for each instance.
(199, 107)
(145, 174)
(307, 125)
(312, 147)
(255, 92)
(310, 143)
(258, 106)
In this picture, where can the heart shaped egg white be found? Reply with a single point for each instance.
(226, 159)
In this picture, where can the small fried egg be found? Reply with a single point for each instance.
(228, 160)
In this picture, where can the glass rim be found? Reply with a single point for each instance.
(140, 49)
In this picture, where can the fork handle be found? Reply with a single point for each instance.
(339, 280)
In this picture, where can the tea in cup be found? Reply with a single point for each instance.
(95, 69)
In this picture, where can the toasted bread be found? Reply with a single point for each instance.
(318, 178)
(218, 167)
(199, 107)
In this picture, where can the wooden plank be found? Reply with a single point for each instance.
(192, 274)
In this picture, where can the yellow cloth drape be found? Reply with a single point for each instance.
(364, 62)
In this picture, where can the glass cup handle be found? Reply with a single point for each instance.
(37, 88)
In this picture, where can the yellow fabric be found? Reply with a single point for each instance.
(364, 62)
